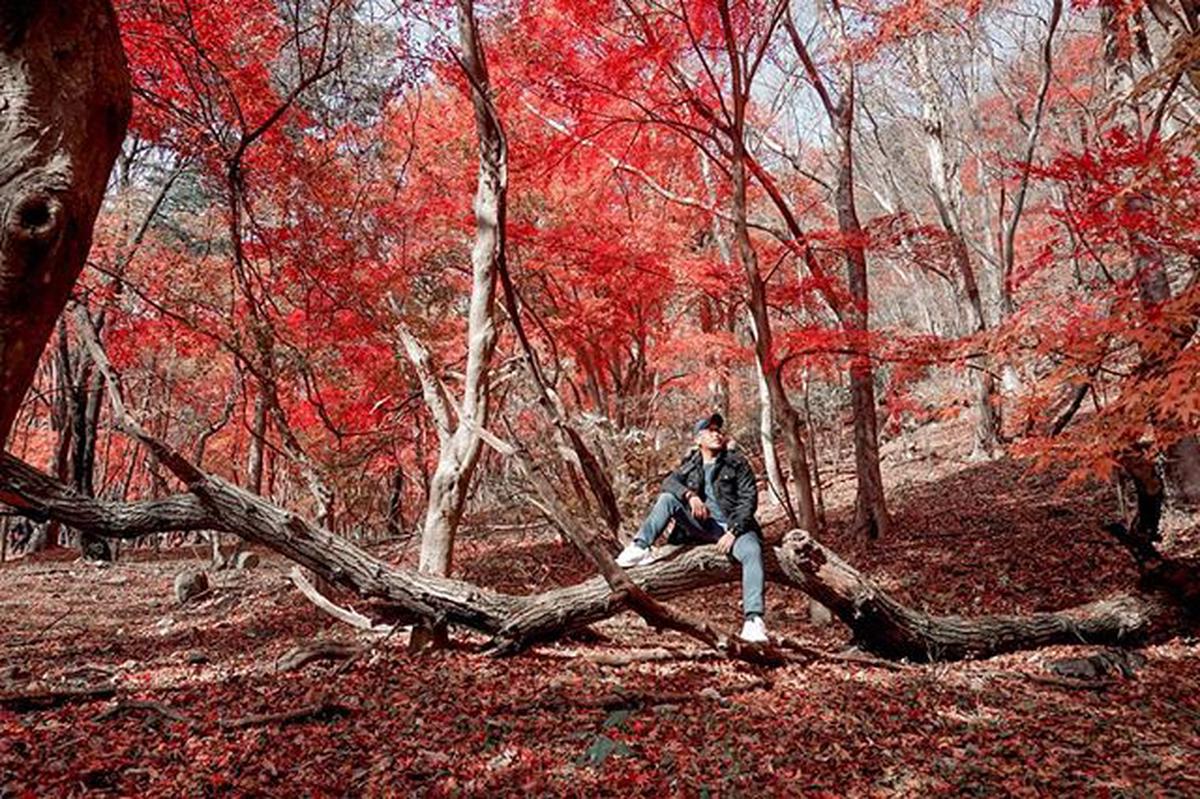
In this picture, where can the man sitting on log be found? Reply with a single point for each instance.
(712, 497)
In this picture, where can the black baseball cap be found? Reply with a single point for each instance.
(715, 420)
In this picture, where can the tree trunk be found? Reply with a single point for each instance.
(1183, 471)
(893, 630)
(461, 448)
(258, 436)
(86, 407)
(766, 437)
(870, 508)
(712, 316)
(66, 95)
(395, 508)
(947, 194)
(785, 417)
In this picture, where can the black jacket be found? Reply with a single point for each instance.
(734, 489)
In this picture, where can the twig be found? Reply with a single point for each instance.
(48, 627)
(857, 658)
(367, 651)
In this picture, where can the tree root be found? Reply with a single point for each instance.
(45, 699)
(325, 710)
(301, 656)
(158, 708)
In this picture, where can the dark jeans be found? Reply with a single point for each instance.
(747, 549)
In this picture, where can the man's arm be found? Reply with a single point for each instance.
(674, 485)
(742, 518)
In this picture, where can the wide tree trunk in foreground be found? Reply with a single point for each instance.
(66, 103)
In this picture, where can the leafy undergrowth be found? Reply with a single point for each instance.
(986, 538)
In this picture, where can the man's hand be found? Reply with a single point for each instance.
(725, 543)
(698, 508)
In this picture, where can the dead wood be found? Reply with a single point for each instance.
(300, 656)
(893, 630)
(1071, 683)
(1108, 662)
(45, 698)
(325, 710)
(134, 705)
(344, 615)
(1161, 604)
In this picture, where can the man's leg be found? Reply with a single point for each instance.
(747, 550)
(688, 529)
(666, 507)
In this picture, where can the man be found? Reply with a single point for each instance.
(712, 498)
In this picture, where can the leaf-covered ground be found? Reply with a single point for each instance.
(560, 720)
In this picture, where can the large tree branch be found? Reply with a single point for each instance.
(888, 627)
(40, 496)
(1156, 608)
(1010, 229)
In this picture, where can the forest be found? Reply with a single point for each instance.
(347, 345)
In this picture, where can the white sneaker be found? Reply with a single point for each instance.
(754, 631)
(633, 555)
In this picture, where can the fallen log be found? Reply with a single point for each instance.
(891, 629)
(300, 656)
(133, 705)
(46, 698)
(1163, 603)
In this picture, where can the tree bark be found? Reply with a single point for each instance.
(870, 507)
(1163, 603)
(890, 629)
(787, 420)
(947, 193)
(460, 447)
(395, 507)
(66, 94)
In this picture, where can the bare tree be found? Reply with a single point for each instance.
(870, 509)
(459, 442)
(945, 183)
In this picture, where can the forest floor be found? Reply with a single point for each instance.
(566, 718)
